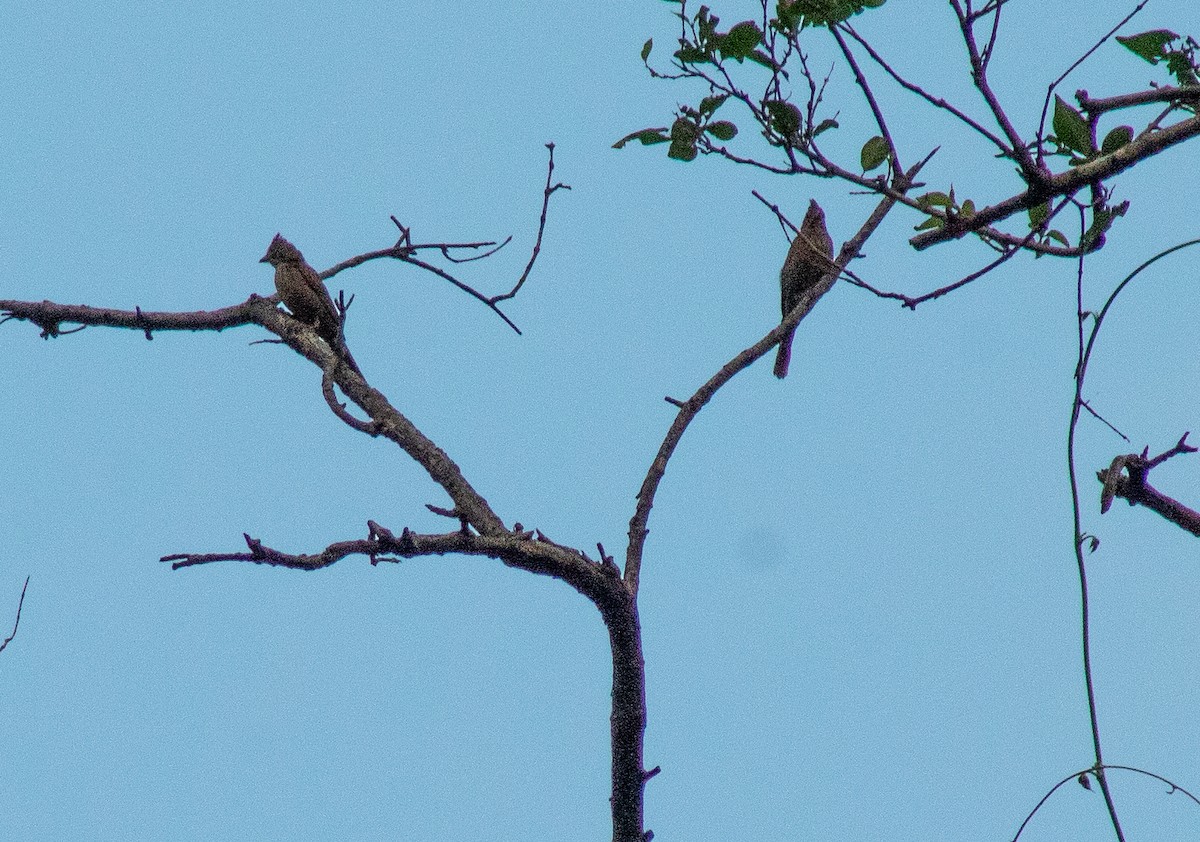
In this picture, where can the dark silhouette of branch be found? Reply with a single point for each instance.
(1086, 344)
(937, 102)
(1171, 95)
(1064, 184)
(1127, 478)
(50, 316)
(911, 302)
(876, 112)
(600, 582)
(689, 408)
(1081, 777)
(1016, 146)
(17, 621)
(549, 191)
(1053, 85)
(405, 250)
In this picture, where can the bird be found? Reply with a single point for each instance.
(302, 292)
(808, 259)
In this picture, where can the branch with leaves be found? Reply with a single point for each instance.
(789, 112)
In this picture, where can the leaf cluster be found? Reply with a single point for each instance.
(686, 132)
(796, 15)
(708, 45)
(1156, 45)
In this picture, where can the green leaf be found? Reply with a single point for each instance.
(1071, 129)
(1148, 45)
(682, 152)
(684, 130)
(646, 48)
(710, 104)
(968, 208)
(785, 117)
(1114, 140)
(1059, 236)
(759, 57)
(740, 41)
(722, 130)
(690, 54)
(647, 137)
(874, 153)
(801, 13)
(932, 222)
(1037, 215)
(935, 198)
(1102, 220)
(706, 25)
(683, 140)
(1180, 66)
(787, 18)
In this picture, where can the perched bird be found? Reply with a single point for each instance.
(301, 290)
(809, 257)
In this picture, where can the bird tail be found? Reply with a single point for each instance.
(784, 357)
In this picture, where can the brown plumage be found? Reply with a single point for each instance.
(301, 290)
(807, 260)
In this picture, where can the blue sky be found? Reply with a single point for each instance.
(859, 601)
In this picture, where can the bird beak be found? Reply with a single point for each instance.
(264, 259)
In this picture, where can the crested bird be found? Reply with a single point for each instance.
(808, 259)
(301, 290)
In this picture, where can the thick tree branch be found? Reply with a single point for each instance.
(1171, 95)
(50, 316)
(599, 581)
(388, 421)
(1064, 184)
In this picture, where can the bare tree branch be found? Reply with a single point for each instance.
(690, 408)
(937, 102)
(549, 191)
(405, 251)
(17, 621)
(1127, 477)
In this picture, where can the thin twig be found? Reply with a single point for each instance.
(547, 192)
(1081, 777)
(1075, 64)
(893, 153)
(17, 621)
(937, 102)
